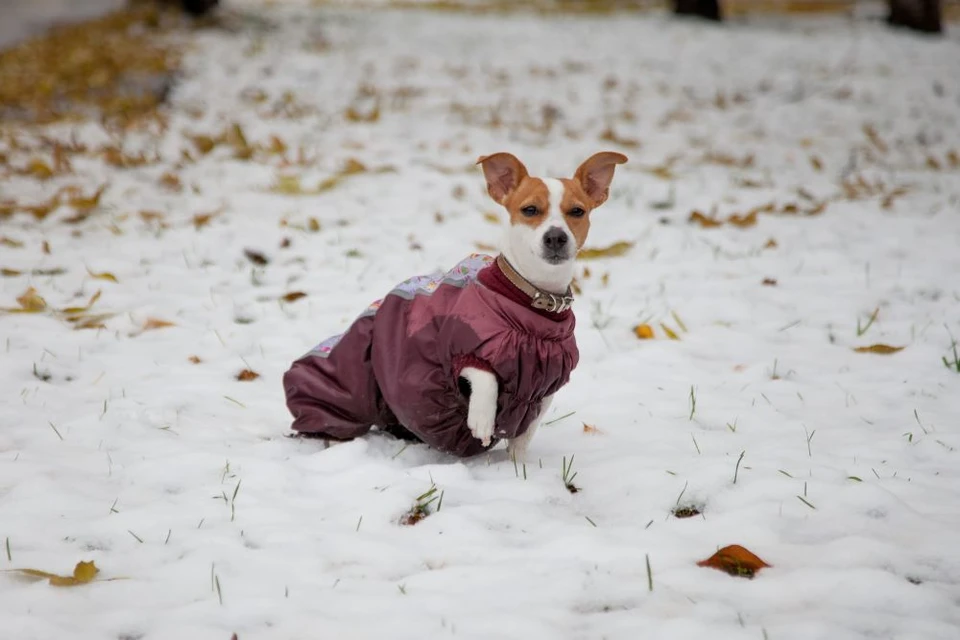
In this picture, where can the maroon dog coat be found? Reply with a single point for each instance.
(399, 362)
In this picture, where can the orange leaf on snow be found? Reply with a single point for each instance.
(83, 573)
(195, 359)
(293, 296)
(156, 323)
(589, 428)
(247, 375)
(883, 349)
(703, 220)
(735, 560)
(643, 331)
(30, 302)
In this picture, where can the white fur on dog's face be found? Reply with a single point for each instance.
(525, 248)
(549, 217)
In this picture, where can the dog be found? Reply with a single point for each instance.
(463, 359)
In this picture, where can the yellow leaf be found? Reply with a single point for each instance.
(247, 375)
(313, 225)
(747, 220)
(31, 302)
(83, 573)
(9, 273)
(643, 331)
(103, 276)
(883, 349)
(492, 218)
(614, 250)
(204, 144)
(483, 246)
(156, 323)
(39, 169)
(670, 333)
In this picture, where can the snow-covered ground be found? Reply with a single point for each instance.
(172, 474)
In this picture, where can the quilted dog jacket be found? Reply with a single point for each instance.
(399, 362)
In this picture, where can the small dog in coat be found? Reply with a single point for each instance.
(462, 359)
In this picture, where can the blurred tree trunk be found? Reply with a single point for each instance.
(922, 15)
(709, 9)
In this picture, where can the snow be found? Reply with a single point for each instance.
(149, 449)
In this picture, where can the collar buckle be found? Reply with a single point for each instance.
(551, 302)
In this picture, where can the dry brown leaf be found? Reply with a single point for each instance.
(953, 158)
(613, 251)
(155, 323)
(45, 247)
(75, 310)
(816, 163)
(874, 138)
(933, 163)
(9, 273)
(883, 349)
(744, 221)
(735, 560)
(247, 375)
(703, 220)
(171, 181)
(83, 573)
(483, 246)
(313, 225)
(770, 244)
(105, 275)
(85, 205)
(30, 302)
(643, 331)
(195, 359)
(293, 296)
(204, 144)
(589, 428)
(201, 220)
(769, 282)
(256, 257)
(609, 135)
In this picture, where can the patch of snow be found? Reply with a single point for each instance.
(177, 477)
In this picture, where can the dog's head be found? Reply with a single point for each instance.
(549, 217)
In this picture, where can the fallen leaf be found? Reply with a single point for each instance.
(703, 221)
(247, 375)
(614, 250)
(933, 163)
(75, 310)
(10, 242)
(201, 220)
(874, 138)
(609, 135)
(744, 221)
(735, 560)
(293, 296)
(83, 573)
(30, 302)
(155, 323)
(483, 246)
(643, 331)
(45, 247)
(769, 282)
(883, 349)
(589, 428)
(9, 273)
(816, 163)
(670, 332)
(103, 276)
(256, 257)
(195, 359)
(492, 218)
(313, 225)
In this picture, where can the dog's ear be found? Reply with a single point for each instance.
(596, 173)
(503, 173)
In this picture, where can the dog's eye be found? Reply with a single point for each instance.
(576, 212)
(529, 211)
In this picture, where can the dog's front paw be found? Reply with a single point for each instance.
(481, 421)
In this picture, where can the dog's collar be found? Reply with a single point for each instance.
(539, 299)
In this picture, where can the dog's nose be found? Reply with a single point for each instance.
(555, 238)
